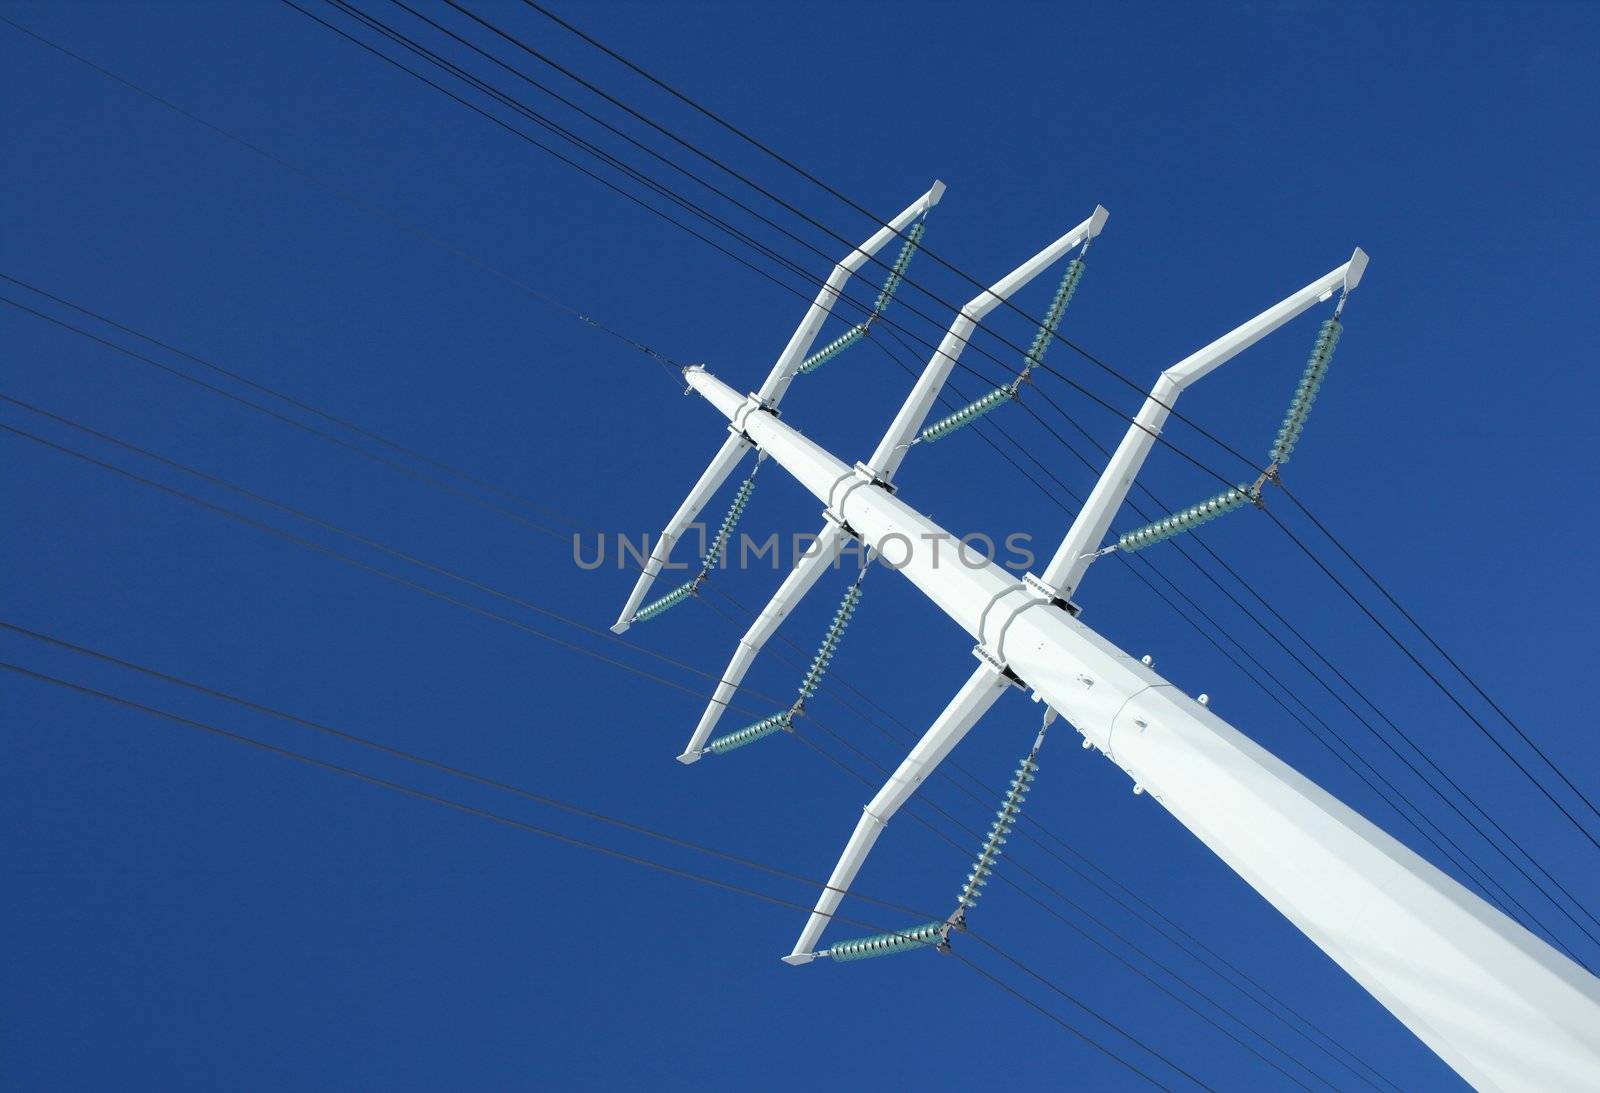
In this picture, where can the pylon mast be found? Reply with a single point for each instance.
(1495, 1002)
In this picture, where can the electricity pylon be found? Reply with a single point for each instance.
(1498, 1004)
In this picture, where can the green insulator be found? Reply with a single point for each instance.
(830, 642)
(1005, 819)
(897, 272)
(670, 600)
(1186, 520)
(1054, 313)
(914, 937)
(719, 542)
(750, 733)
(1305, 394)
(832, 349)
(967, 414)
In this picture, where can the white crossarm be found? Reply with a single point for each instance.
(805, 334)
(914, 411)
(807, 568)
(970, 703)
(716, 473)
(1072, 558)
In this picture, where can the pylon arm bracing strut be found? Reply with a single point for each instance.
(1495, 1002)
(716, 473)
(805, 334)
(897, 441)
(970, 703)
(811, 565)
(1072, 558)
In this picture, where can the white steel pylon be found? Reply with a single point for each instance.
(1498, 1004)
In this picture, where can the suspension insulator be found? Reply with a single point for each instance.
(1186, 520)
(1305, 394)
(670, 600)
(967, 414)
(830, 643)
(750, 733)
(736, 509)
(897, 272)
(1052, 315)
(832, 349)
(914, 937)
(1005, 819)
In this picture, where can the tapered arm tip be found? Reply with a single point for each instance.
(1358, 266)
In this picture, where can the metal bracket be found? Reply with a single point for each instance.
(841, 523)
(1000, 666)
(752, 404)
(1051, 593)
(873, 478)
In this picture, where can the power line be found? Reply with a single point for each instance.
(369, 743)
(300, 171)
(538, 527)
(877, 221)
(948, 817)
(974, 837)
(310, 430)
(299, 404)
(353, 536)
(561, 132)
(435, 765)
(523, 109)
(347, 559)
(556, 836)
(1394, 796)
(1368, 574)
(729, 126)
(362, 539)
(250, 404)
(1394, 726)
(328, 187)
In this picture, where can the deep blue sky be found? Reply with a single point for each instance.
(185, 913)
